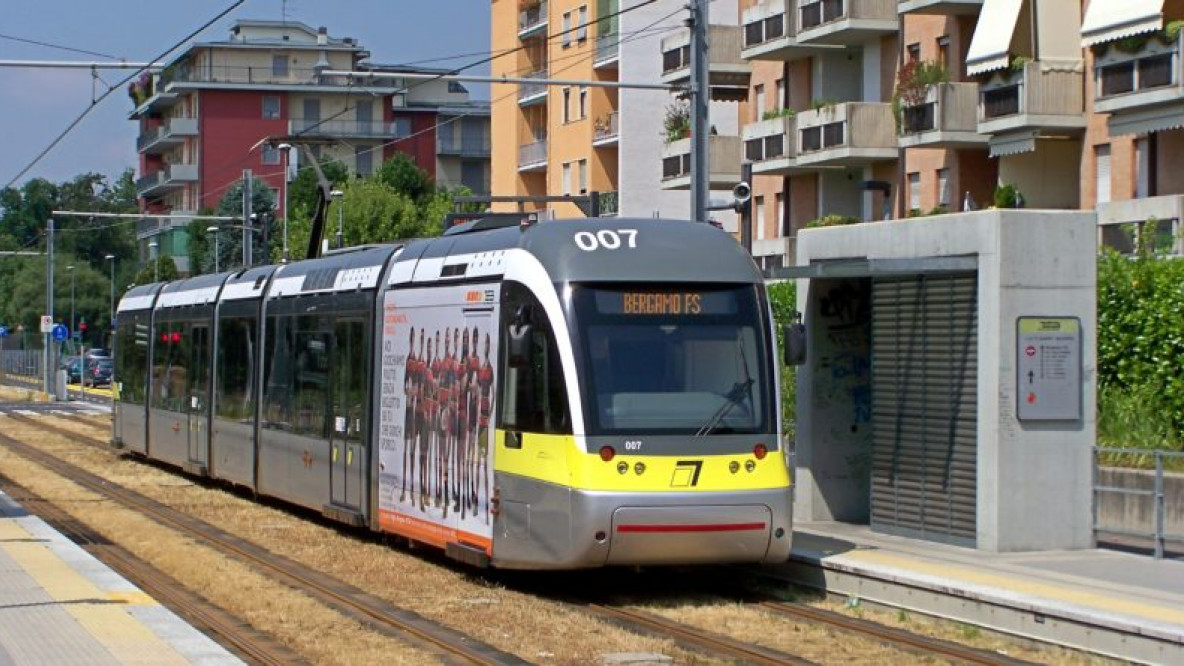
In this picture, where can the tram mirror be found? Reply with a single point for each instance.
(793, 337)
(521, 340)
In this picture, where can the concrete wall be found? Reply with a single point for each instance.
(1034, 478)
(1048, 177)
(1136, 513)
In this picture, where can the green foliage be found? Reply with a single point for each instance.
(677, 122)
(230, 243)
(783, 298)
(1019, 62)
(1171, 31)
(302, 192)
(1140, 350)
(832, 221)
(771, 114)
(401, 174)
(1006, 196)
(165, 271)
(822, 104)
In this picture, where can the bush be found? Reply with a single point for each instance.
(832, 221)
(783, 299)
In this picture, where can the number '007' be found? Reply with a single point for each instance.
(606, 239)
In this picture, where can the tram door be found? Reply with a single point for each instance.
(348, 404)
(199, 408)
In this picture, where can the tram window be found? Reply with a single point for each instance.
(132, 357)
(170, 366)
(349, 377)
(199, 353)
(277, 393)
(311, 374)
(236, 366)
(533, 397)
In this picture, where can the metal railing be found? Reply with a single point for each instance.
(534, 17)
(474, 145)
(316, 127)
(22, 362)
(608, 47)
(532, 153)
(1155, 494)
(264, 75)
(608, 128)
(528, 90)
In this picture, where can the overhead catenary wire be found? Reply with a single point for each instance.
(58, 139)
(62, 47)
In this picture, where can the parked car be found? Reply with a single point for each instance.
(98, 352)
(99, 370)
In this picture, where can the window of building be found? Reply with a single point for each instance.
(758, 106)
(914, 191)
(758, 217)
(401, 127)
(271, 107)
(566, 29)
(567, 178)
(1142, 167)
(913, 51)
(271, 154)
(279, 65)
(779, 223)
(582, 32)
(364, 160)
(943, 51)
(943, 187)
(583, 165)
(567, 105)
(781, 101)
(583, 102)
(1102, 158)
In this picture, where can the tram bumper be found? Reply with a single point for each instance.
(690, 534)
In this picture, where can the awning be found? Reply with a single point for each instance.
(990, 48)
(1108, 20)
(1012, 144)
(1145, 121)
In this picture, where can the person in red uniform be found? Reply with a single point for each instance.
(409, 370)
(427, 434)
(460, 393)
(443, 382)
(485, 409)
(471, 398)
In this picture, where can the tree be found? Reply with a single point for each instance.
(376, 213)
(166, 271)
(401, 174)
(230, 245)
(302, 192)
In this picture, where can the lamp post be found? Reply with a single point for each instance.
(214, 230)
(155, 264)
(339, 196)
(286, 149)
(111, 258)
(71, 269)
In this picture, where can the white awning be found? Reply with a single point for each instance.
(1012, 144)
(990, 48)
(1146, 121)
(1108, 20)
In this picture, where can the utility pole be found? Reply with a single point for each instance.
(248, 236)
(47, 354)
(700, 124)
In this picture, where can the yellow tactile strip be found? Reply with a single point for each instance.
(105, 617)
(1103, 603)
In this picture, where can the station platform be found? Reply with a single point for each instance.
(1119, 604)
(59, 605)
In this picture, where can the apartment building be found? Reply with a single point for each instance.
(889, 108)
(210, 112)
(575, 139)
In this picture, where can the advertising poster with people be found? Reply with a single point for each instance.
(436, 412)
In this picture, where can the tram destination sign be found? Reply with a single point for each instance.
(1048, 369)
(666, 303)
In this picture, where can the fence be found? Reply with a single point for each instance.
(22, 362)
(1121, 497)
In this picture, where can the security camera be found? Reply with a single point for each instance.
(742, 193)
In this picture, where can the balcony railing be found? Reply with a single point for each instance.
(607, 129)
(170, 177)
(533, 155)
(532, 92)
(335, 128)
(468, 145)
(872, 15)
(725, 66)
(172, 132)
(948, 107)
(608, 50)
(1031, 97)
(765, 29)
(816, 12)
(242, 74)
(723, 162)
(772, 139)
(531, 20)
(864, 131)
(1151, 75)
(610, 204)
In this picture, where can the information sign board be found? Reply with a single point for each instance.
(1048, 369)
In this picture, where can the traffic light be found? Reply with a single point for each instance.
(82, 325)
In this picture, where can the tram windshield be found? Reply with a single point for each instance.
(676, 359)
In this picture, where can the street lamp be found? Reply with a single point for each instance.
(214, 230)
(339, 195)
(71, 269)
(111, 258)
(155, 264)
(286, 149)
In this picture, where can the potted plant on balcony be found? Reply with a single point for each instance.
(772, 114)
(677, 123)
(913, 81)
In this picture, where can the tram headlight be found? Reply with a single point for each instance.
(749, 465)
(639, 468)
(622, 467)
(734, 467)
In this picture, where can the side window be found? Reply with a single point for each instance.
(132, 356)
(236, 365)
(311, 366)
(277, 382)
(534, 395)
(170, 366)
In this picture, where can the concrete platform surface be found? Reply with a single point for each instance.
(59, 605)
(1123, 604)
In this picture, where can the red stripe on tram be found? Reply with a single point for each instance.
(718, 527)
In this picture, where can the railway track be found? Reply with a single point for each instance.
(694, 638)
(247, 643)
(450, 645)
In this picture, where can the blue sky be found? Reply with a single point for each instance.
(38, 103)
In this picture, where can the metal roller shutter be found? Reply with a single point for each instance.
(924, 411)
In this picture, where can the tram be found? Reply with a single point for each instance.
(555, 395)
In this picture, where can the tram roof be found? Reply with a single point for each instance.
(139, 297)
(248, 284)
(198, 290)
(661, 251)
(343, 271)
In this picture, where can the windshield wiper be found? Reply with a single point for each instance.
(739, 391)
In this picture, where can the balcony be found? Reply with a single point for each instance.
(610, 204)
(158, 139)
(723, 160)
(1120, 222)
(532, 22)
(845, 22)
(771, 146)
(846, 134)
(233, 76)
(941, 7)
(725, 67)
(467, 145)
(150, 225)
(770, 33)
(354, 129)
(531, 94)
(533, 156)
(1031, 100)
(608, 52)
(172, 177)
(948, 118)
(606, 132)
(1143, 91)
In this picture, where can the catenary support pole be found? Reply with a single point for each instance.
(248, 236)
(47, 354)
(700, 124)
